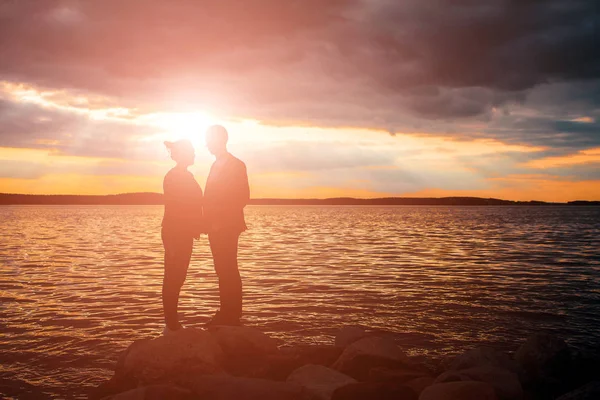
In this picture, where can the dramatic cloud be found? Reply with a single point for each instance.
(522, 73)
(304, 60)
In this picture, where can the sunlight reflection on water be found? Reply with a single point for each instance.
(80, 283)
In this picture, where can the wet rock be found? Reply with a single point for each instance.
(319, 380)
(467, 390)
(374, 390)
(187, 351)
(155, 392)
(591, 391)
(505, 383)
(348, 335)
(235, 388)
(484, 356)
(546, 362)
(360, 357)
(243, 341)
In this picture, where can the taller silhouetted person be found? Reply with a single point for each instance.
(225, 196)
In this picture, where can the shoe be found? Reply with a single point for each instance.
(220, 319)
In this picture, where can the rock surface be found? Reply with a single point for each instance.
(243, 341)
(591, 391)
(155, 392)
(375, 391)
(419, 384)
(544, 357)
(468, 390)
(238, 363)
(400, 374)
(505, 383)
(319, 380)
(235, 388)
(360, 357)
(482, 356)
(348, 335)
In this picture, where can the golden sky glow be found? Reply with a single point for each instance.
(283, 161)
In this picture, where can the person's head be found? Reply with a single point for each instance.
(182, 152)
(216, 140)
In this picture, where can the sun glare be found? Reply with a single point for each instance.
(188, 125)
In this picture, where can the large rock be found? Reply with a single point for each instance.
(505, 383)
(591, 391)
(155, 392)
(319, 380)
(236, 388)
(375, 391)
(469, 390)
(360, 357)
(184, 351)
(348, 335)
(482, 356)
(243, 341)
(544, 358)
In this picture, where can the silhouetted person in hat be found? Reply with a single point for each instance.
(225, 196)
(182, 222)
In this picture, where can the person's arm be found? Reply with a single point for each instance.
(169, 194)
(243, 185)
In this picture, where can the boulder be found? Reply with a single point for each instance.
(484, 356)
(591, 391)
(236, 388)
(243, 341)
(544, 358)
(348, 335)
(505, 383)
(374, 390)
(155, 392)
(361, 356)
(319, 380)
(467, 390)
(184, 351)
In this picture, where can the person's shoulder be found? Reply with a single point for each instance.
(236, 162)
(177, 173)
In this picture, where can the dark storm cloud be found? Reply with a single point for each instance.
(412, 65)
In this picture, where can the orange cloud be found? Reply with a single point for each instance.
(581, 157)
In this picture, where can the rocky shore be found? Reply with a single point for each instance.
(239, 363)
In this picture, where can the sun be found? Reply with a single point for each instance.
(184, 125)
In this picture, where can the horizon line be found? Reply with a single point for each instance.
(314, 199)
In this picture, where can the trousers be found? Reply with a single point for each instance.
(224, 249)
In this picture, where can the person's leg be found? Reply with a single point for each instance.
(178, 251)
(224, 249)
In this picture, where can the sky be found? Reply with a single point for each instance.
(360, 98)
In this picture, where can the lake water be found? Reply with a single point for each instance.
(78, 284)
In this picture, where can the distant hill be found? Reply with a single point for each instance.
(157, 199)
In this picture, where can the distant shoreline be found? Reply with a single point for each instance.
(157, 199)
